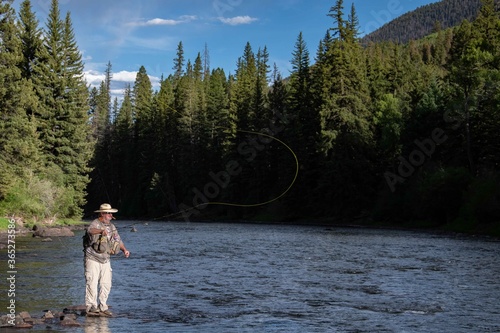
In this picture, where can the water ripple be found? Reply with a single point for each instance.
(264, 278)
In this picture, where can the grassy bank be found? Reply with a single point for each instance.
(4, 223)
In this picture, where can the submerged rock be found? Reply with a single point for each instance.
(19, 321)
(24, 315)
(68, 317)
(53, 232)
(70, 322)
(23, 325)
(48, 315)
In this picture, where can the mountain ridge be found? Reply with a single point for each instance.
(422, 21)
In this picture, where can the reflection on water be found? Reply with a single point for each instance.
(96, 325)
(268, 278)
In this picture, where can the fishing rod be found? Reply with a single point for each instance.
(221, 203)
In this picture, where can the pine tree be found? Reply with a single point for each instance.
(346, 94)
(31, 38)
(206, 62)
(144, 141)
(346, 131)
(103, 171)
(221, 121)
(244, 89)
(21, 189)
(465, 66)
(64, 129)
(300, 106)
(377, 71)
(179, 62)
(243, 105)
(440, 51)
(199, 105)
(485, 120)
(352, 25)
(157, 138)
(260, 104)
(166, 133)
(142, 94)
(122, 158)
(487, 25)
(389, 125)
(337, 13)
(282, 166)
(302, 130)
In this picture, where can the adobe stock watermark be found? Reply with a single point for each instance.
(393, 9)
(46, 5)
(248, 149)
(418, 156)
(223, 6)
(11, 272)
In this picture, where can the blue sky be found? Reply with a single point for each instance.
(133, 33)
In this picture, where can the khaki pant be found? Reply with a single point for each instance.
(97, 275)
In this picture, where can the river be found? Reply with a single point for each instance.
(216, 277)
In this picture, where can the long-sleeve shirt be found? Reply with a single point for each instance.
(112, 235)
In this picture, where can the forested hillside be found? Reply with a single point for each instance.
(424, 20)
(44, 134)
(390, 133)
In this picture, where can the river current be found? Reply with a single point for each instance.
(215, 277)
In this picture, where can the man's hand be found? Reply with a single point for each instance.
(126, 253)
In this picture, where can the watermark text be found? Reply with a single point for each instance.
(11, 272)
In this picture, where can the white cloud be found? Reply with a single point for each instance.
(94, 78)
(129, 77)
(160, 21)
(118, 93)
(124, 76)
(118, 79)
(237, 20)
(188, 18)
(163, 44)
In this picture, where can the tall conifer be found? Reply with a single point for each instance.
(64, 126)
(31, 38)
(19, 145)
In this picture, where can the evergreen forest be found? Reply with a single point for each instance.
(360, 132)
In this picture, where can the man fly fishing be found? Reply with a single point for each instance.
(101, 239)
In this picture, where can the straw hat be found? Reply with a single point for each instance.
(106, 208)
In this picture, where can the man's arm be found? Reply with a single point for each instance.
(124, 249)
(122, 245)
(96, 231)
(95, 228)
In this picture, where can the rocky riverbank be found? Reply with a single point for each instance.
(44, 231)
(69, 317)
